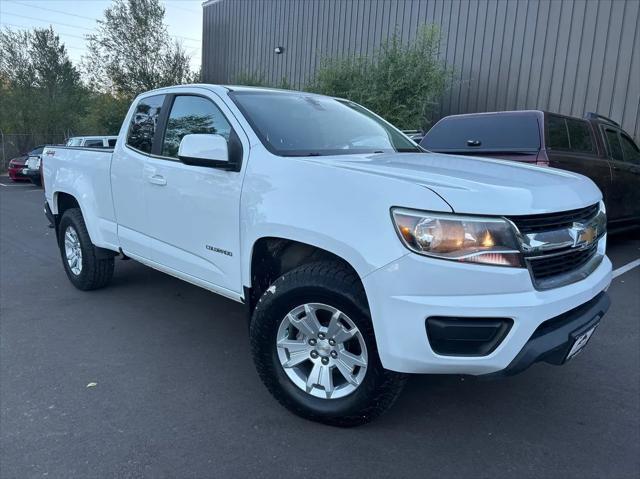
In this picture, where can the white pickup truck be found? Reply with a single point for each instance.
(360, 256)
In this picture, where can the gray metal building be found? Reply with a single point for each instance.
(567, 56)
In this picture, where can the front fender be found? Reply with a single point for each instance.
(347, 252)
(341, 211)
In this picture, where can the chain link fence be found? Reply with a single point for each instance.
(17, 144)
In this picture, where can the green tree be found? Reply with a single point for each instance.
(104, 115)
(257, 78)
(61, 97)
(40, 89)
(402, 82)
(17, 84)
(131, 51)
(254, 78)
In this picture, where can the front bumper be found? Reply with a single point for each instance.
(403, 294)
(30, 173)
(553, 340)
(15, 173)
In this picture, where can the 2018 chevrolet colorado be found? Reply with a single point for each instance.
(360, 257)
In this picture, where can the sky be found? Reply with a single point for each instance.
(72, 19)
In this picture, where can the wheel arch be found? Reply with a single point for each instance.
(273, 256)
(62, 201)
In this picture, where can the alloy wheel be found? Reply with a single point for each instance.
(72, 250)
(322, 351)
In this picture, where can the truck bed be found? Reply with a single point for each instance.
(84, 172)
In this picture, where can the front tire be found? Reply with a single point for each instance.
(84, 267)
(314, 348)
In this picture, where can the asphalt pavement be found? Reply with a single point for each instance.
(152, 377)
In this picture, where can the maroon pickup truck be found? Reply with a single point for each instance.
(595, 146)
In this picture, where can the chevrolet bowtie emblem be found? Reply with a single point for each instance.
(582, 234)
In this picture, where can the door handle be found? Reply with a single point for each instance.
(157, 180)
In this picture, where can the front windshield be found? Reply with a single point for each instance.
(300, 124)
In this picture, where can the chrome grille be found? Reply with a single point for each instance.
(552, 260)
(543, 267)
(553, 221)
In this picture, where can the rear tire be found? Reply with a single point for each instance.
(81, 259)
(336, 289)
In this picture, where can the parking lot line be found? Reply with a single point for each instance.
(10, 186)
(627, 267)
(23, 187)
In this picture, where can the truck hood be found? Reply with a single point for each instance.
(479, 185)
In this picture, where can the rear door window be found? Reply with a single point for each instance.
(112, 143)
(580, 136)
(93, 144)
(613, 143)
(569, 134)
(144, 121)
(630, 151)
(557, 132)
(499, 133)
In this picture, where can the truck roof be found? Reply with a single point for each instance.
(590, 116)
(221, 88)
(501, 113)
(93, 137)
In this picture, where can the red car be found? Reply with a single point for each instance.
(15, 168)
(17, 164)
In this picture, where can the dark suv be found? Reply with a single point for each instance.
(595, 146)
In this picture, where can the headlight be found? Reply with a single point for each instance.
(455, 237)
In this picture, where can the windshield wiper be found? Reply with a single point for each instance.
(310, 153)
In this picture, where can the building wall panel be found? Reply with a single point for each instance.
(569, 56)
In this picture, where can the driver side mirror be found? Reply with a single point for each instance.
(204, 150)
